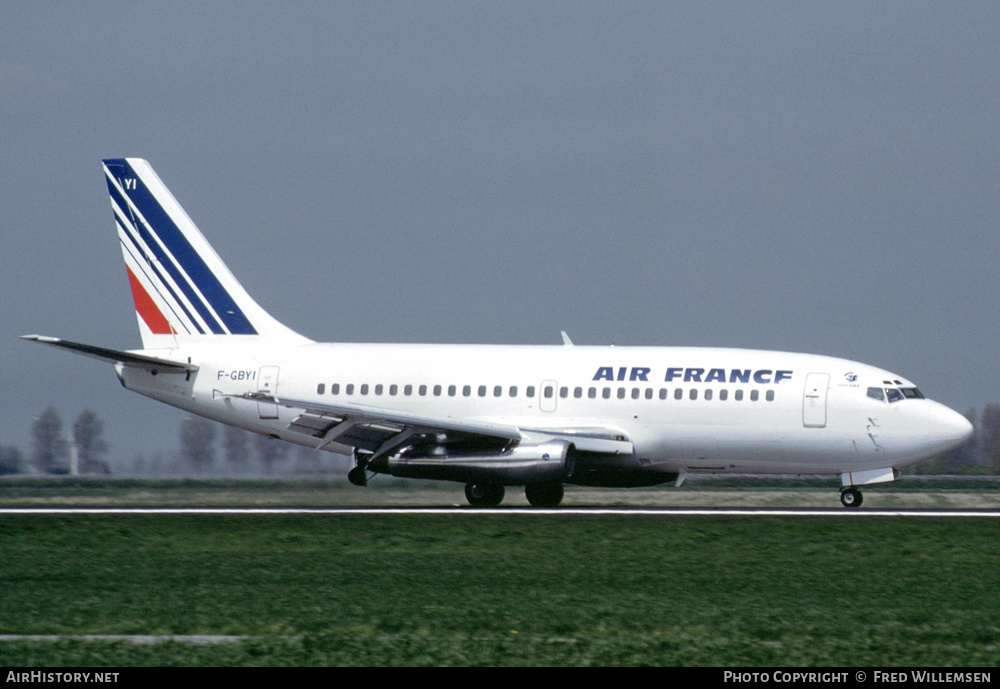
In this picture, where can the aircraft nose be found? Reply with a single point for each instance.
(952, 428)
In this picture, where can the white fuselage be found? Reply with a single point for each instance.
(683, 409)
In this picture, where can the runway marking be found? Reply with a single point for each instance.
(137, 639)
(512, 511)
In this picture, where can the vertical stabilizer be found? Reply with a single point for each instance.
(180, 286)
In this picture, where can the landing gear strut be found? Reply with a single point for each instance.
(851, 497)
(359, 474)
(484, 494)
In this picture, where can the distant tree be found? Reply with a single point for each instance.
(989, 436)
(50, 447)
(11, 460)
(90, 446)
(236, 447)
(198, 443)
(270, 451)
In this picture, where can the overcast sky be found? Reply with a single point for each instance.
(805, 176)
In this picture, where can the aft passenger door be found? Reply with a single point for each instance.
(267, 384)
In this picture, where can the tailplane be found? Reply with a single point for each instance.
(180, 286)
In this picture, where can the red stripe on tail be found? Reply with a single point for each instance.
(147, 308)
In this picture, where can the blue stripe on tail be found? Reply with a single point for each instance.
(183, 259)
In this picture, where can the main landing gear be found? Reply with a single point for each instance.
(850, 497)
(484, 494)
(547, 494)
(359, 474)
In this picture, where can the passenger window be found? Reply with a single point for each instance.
(663, 393)
(349, 389)
(393, 389)
(407, 390)
(621, 393)
(513, 391)
(530, 391)
(451, 390)
(693, 394)
(723, 395)
(364, 389)
(335, 389)
(578, 392)
(649, 393)
(437, 390)
(754, 395)
(497, 390)
(678, 394)
(564, 392)
(466, 390)
(482, 391)
(321, 388)
(708, 394)
(635, 393)
(738, 395)
(769, 396)
(547, 392)
(378, 389)
(422, 390)
(606, 393)
(592, 393)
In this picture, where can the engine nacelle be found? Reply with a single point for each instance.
(517, 466)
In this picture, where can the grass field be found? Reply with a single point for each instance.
(911, 492)
(500, 590)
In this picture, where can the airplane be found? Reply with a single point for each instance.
(492, 417)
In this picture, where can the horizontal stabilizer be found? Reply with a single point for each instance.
(150, 363)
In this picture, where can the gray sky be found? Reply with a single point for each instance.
(805, 176)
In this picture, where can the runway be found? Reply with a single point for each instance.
(461, 511)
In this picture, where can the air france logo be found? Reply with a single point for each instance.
(762, 376)
(851, 377)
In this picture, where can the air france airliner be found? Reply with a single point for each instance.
(493, 417)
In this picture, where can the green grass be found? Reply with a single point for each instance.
(495, 590)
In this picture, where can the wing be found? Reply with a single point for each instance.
(383, 432)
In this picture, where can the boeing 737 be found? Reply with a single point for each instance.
(497, 416)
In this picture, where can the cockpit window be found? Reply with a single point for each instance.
(893, 395)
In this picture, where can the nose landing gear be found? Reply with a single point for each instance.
(851, 497)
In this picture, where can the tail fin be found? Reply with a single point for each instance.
(180, 286)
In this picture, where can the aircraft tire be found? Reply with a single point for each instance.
(357, 476)
(484, 494)
(851, 497)
(544, 494)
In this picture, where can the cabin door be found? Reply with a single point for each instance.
(267, 384)
(814, 400)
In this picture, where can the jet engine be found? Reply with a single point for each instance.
(514, 466)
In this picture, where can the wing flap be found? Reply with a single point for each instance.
(367, 426)
(317, 414)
